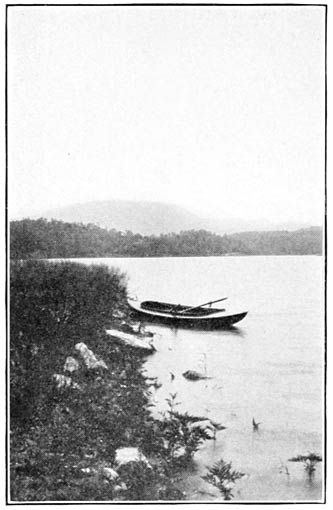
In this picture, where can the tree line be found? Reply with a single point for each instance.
(43, 238)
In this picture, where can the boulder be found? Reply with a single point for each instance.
(120, 487)
(142, 342)
(180, 452)
(101, 470)
(63, 381)
(208, 426)
(205, 426)
(192, 375)
(89, 357)
(71, 364)
(109, 473)
(129, 454)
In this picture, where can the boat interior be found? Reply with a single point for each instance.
(156, 306)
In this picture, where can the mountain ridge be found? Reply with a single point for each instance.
(154, 218)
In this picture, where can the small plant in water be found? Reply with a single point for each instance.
(223, 478)
(309, 462)
(181, 437)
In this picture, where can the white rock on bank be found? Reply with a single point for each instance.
(106, 471)
(144, 343)
(89, 357)
(71, 364)
(203, 425)
(129, 454)
(63, 381)
(208, 426)
(110, 473)
(180, 452)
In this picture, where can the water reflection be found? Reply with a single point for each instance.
(175, 330)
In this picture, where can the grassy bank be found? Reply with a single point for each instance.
(68, 417)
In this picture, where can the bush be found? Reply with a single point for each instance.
(223, 478)
(309, 461)
(57, 431)
(53, 306)
(179, 441)
(60, 435)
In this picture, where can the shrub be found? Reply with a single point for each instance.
(56, 431)
(179, 440)
(53, 306)
(309, 461)
(223, 478)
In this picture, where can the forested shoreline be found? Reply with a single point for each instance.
(43, 238)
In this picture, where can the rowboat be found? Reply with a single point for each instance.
(185, 316)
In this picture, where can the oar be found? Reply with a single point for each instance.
(204, 304)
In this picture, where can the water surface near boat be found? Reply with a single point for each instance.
(269, 367)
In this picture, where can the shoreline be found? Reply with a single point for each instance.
(83, 402)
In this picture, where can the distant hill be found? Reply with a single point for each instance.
(145, 218)
(56, 239)
(152, 218)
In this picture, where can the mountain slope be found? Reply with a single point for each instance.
(146, 218)
(152, 218)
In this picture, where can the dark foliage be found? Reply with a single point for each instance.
(306, 241)
(223, 478)
(309, 461)
(52, 307)
(56, 239)
(55, 432)
(178, 440)
(62, 436)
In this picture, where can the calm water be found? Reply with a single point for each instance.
(269, 368)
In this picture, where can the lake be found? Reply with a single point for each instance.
(271, 367)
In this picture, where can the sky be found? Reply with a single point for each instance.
(218, 109)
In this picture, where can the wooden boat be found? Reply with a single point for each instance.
(185, 316)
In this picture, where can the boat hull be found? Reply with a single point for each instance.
(222, 322)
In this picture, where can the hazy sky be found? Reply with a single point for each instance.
(218, 109)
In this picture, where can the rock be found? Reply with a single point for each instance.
(89, 357)
(128, 454)
(209, 427)
(117, 314)
(71, 364)
(153, 382)
(217, 426)
(63, 381)
(192, 375)
(180, 452)
(109, 473)
(101, 470)
(144, 342)
(205, 426)
(120, 487)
